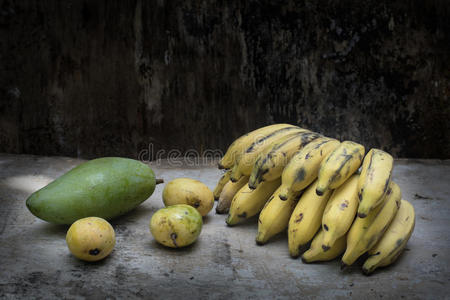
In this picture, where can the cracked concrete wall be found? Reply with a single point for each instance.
(97, 78)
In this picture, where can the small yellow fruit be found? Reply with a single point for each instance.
(191, 192)
(176, 226)
(91, 239)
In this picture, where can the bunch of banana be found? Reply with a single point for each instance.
(366, 232)
(340, 212)
(339, 166)
(316, 253)
(242, 143)
(306, 218)
(304, 166)
(226, 196)
(393, 241)
(270, 163)
(247, 202)
(246, 161)
(224, 179)
(274, 217)
(374, 181)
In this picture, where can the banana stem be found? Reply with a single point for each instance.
(159, 181)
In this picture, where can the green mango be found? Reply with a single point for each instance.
(105, 187)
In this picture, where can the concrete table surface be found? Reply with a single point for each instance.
(225, 263)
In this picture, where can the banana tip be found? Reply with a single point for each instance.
(220, 166)
(294, 255)
(159, 181)
(319, 192)
(366, 272)
(252, 186)
(260, 243)
(343, 266)
(362, 215)
(282, 197)
(304, 260)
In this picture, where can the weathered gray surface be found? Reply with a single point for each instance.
(224, 263)
(95, 78)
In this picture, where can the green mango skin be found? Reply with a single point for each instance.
(105, 187)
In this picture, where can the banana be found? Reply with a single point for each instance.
(247, 203)
(340, 212)
(270, 164)
(306, 218)
(391, 245)
(274, 217)
(366, 232)
(243, 142)
(339, 165)
(245, 162)
(304, 166)
(229, 190)
(374, 181)
(222, 182)
(316, 253)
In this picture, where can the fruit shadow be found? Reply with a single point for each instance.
(153, 244)
(142, 211)
(49, 229)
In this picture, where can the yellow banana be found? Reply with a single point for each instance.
(339, 165)
(270, 164)
(304, 166)
(316, 253)
(374, 181)
(274, 217)
(246, 161)
(229, 190)
(247, 203)
(306, 218)
(222, 181)
(340, 212)
(243, 142)
(366, 232)
(391, 245)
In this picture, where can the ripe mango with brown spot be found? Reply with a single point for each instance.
(176, 226)
(191, 192)
(91, 239)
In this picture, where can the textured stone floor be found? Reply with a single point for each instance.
(224, 263)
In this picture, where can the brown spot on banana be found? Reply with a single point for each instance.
(299, 218)
(243, 215)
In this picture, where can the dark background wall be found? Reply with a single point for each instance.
(97, 78)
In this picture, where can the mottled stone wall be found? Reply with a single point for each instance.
(97, 78)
